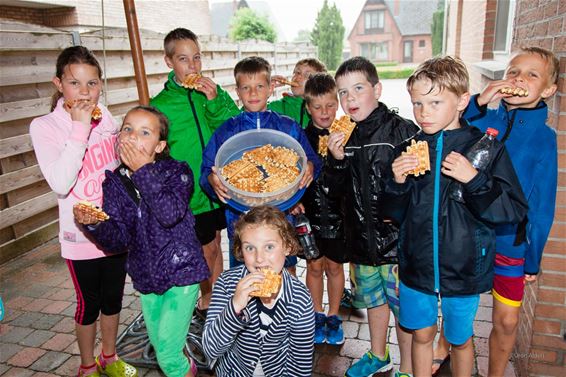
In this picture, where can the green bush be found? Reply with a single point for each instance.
(386, 64)
(395, 74)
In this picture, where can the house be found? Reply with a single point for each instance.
(484, 34)
(393, 31)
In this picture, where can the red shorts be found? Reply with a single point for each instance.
(509, 280)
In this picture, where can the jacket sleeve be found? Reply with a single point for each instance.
(167, 195)
(541, 208)
(495, 196)
(60, 160)
(220, 109)
(222, 324)
(301, 338)
(474, 110)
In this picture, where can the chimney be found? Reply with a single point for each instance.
(396, 7)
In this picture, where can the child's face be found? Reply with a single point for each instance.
(263, 247)
(254, 90)
(436, 110)
(323, 109)
(531, 72)
(301, 74)
(141, 129)
(358, 97)
(79, 82)
(186, 59)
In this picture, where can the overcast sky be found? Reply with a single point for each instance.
(294, 15)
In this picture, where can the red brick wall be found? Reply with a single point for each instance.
(541, 346)
(46, 17)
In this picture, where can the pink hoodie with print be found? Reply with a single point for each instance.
(73, 157)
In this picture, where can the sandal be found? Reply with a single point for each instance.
(439, 363)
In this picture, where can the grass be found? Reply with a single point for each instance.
(395, 73)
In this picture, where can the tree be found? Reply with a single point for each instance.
(328, 35)
(437, 29)
(303, 35)
(247, 24)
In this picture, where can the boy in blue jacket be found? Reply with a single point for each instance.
(446, 247)
(521, 121)
(254, 87)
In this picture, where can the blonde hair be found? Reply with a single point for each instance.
(271, 217)
(444, 72)
(549, 57)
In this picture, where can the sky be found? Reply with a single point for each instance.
(294, 15)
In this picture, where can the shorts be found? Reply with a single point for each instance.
(419, 310)
(374, 286)
(333, 249)
(207, 223)
(509, 280)
(99, 285)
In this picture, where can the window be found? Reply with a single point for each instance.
(374, 21)
(503, 25)
(422, 43)
(375, 51)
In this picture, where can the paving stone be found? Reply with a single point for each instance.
(8, 350)
(11, 314)
(363, 333)
(37, 338)
(354, 348)
(66, 325)
(3, 368)
(50, 361)
(43, 374)
(59, 342)
(18, 372)
(18, 302)
(38, 290)
(56, 307)
(482, 329)
(26, 357)
(486, 299)
(46, 321)
(26, 319)
(484, 314)
(64, 294)
(351, 329)
(481, 346)
(69, 367)
(38, 304)
(393, 336)
(15, 334)
(70, 310)
(332, 365)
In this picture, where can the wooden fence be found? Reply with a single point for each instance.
(28, 208)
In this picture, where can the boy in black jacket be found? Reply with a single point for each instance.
(447, 247)
(355, 172)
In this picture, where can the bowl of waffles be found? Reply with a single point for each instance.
(261, 166)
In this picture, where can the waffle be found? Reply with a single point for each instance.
(323, 145)
(282, 156)
(274, 183)
(287, 173)
(92, 210)
(515, 91)
(249, 184)
(191, 81)
(96, 113)
(344, 125)
(269, 285)
(231, 169)
(259, 156)
(420, 150)
(287, 82)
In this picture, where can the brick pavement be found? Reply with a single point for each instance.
(37, 339)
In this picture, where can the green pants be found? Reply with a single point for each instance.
(167, 318)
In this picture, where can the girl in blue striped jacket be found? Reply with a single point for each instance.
(251, 336)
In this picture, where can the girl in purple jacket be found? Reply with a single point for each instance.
(147, 200)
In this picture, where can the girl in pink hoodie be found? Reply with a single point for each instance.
(74, 145)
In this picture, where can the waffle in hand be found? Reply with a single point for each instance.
(287, 82)
(420, 150)
(323, 145)
(344, 125)
(515, 91)
(191, 81)
(269, 285)
(96, 113)
(92, 210)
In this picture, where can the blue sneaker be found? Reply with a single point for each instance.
(319, 328)
(370, 364)
(334, 332)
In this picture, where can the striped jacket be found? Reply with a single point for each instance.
(287, 348)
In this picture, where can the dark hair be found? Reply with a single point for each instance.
(315, 64)
(271, 217)
(318, 85)
(73, 55)
(551, 59)
(252, 65)
(178, 34)
(163, 128)
(444, 72)
(358, 64)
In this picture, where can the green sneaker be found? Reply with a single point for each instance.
(402, 374)
(118, 368)
(370, 364)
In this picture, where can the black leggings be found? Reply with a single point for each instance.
(99, 284)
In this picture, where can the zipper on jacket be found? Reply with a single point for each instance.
(201, 138)
(510, 122)
(435, 210)
(366, 200)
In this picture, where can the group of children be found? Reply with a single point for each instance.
(409, 245)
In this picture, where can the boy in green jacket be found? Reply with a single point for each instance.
(292, 104)
(193, 116)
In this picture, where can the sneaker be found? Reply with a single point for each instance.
(346, 300)
(319, 328)
(402, 374)
(334, 332)
(118, 368)
(370, 364)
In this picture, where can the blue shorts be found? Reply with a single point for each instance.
(419, 310)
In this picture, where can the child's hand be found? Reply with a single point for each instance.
(308, 176)
(530, 278)
(207, 87)
(219, 189)
(81, 111)
(244, 288)
(134, 157)
(335, 146)
(402, 165)
(297, 209)
(458, 167)
(84, 217)
(492, 92)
